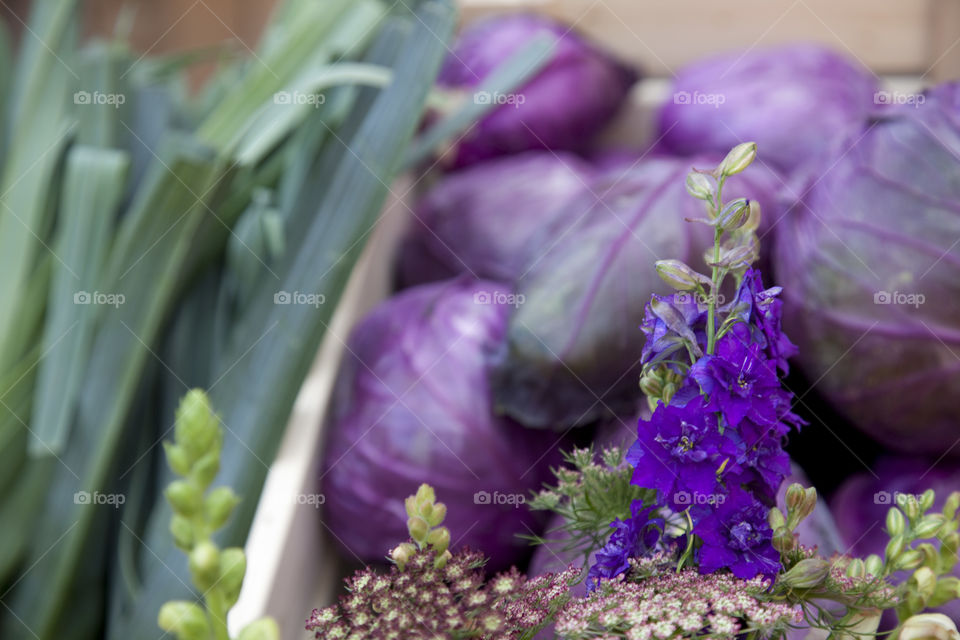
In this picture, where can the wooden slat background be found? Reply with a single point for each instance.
(915, 37)
(908, 37)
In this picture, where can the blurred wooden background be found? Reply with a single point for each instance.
(902, 37)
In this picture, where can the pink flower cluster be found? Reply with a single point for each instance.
(670, 604)
(422, 602)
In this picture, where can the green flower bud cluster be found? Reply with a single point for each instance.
(800, 503)
(925, 543)
(922, 541)
(659, 384)
(198, 512)
(424, 517)
(735, 248)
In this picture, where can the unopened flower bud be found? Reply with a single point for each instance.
(182, 531)
(951, 542)
(205, 565)
(184, 619)
(752, 223)
(926, 500)
(442, 559)
(951, 505)
(794, 496)
(699, 186)
(800, 503)
(783, 540)
(439, 539)
(929, 626)
(910, 505)
(929, 525)
(185, 497)
(410, 504)
(738, 159)
(402, 554)
(809, 502)
(669, 389)
(873, 565)
(895, 547)
(930, 555)
(909, 560)
(861, 625)
(262, 629)
(426, 511)
(734, 258)
(896, 523)
(679, 276)
(418, 528)
(856, 568)
(651, 385)
(947, 589)
(197, 428)
(924, 580)
(218, 506)
(425, 495)
(733, 214)
(948, 551)
(233, 567)
(177, 458)
(438, 514)
(206, 468)
(807, 573)
(776, 519)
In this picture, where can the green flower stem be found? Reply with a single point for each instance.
(715, 275)
(715, 286)
(217, 610)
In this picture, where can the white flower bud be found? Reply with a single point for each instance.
(739, 158)
(929, 626)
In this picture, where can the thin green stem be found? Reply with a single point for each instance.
(714, 287)
(217, 611)
(714, 272)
